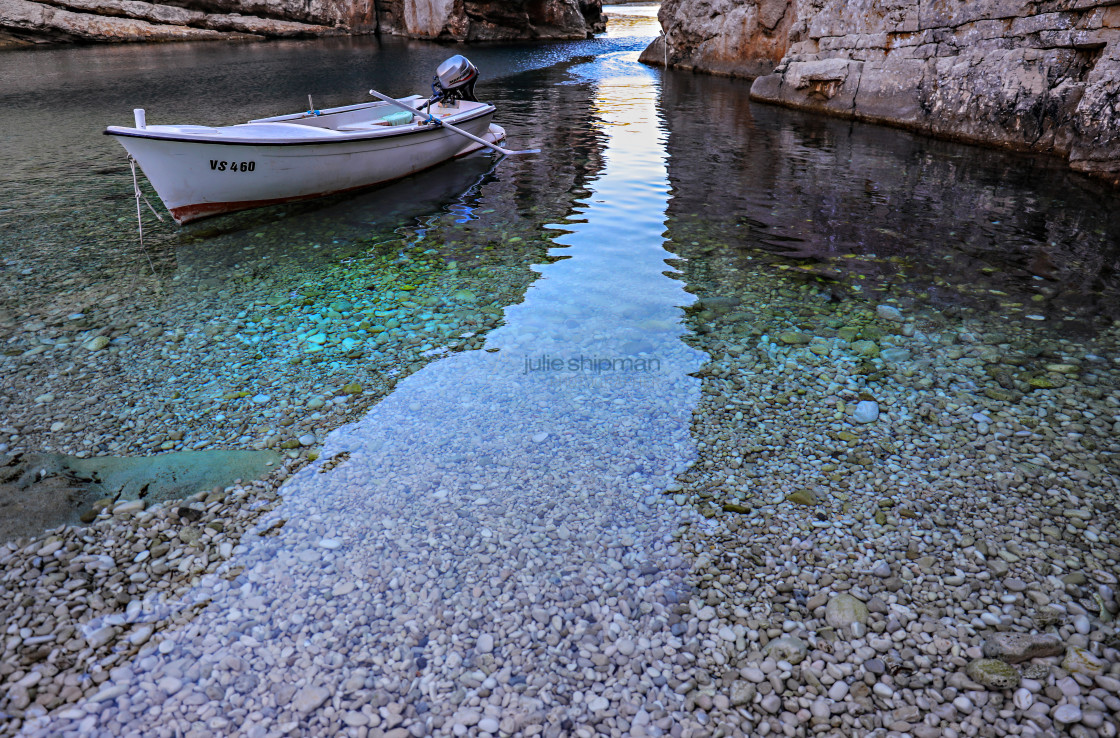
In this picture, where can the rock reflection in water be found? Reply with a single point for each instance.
(883, 210)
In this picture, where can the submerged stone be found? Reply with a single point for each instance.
(1080, 661)
(889, 312)
(867, 411)
(794, 338)
(993, 674)
(804, 497)
(867, 349)
(787, 648)
(1016, 647)
(843, 610)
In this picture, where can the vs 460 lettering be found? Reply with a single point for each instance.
(218, 165)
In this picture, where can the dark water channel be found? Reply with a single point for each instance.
(483, 379)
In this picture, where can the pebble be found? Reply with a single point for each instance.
(882, 570)
(1066, 714)
(889, 313)
(883, 690)
(1082, 661)
(310, 698)
(867, 411)
(843, 610)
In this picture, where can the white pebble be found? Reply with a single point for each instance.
(1066, 714)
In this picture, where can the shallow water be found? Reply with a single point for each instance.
(488, 506)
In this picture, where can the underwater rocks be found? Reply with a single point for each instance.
(915, 578)
(41, 491)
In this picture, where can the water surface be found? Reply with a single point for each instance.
(481, 527)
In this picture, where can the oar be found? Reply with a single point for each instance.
(453, 129)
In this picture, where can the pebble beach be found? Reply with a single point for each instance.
(567, 474)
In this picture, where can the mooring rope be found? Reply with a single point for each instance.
(139, 220)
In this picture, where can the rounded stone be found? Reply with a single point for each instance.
(843, 610)
(993, 674)
(867, 411)
(1066, 714)
(787, 648)
(1080, 661)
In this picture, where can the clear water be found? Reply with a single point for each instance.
(518, 477)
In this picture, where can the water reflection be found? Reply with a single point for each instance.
(888, 211)
(488, 545)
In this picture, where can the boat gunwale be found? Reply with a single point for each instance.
(346, 137)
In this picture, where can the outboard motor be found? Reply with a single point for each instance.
(454, 80)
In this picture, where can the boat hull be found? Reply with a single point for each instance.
(199, 179)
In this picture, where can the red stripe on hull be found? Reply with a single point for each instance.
(187, 213)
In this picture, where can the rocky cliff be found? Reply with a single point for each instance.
(1042, 75)
(730, 37)
(495, 20)
(37, 21)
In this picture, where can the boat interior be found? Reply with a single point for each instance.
(370, 117)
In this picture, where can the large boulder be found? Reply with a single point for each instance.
(728, 37)
(1039, 76)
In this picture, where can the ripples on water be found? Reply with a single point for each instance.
(500, 510)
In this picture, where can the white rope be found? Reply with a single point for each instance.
(139, 194)
(139, 219)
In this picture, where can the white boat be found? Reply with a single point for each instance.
(200, 171)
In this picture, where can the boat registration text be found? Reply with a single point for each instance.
(232, 166)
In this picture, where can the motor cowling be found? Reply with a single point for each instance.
(455, 80)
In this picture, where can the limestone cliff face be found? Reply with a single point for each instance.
(728, 37)
(1042, 75)
(497, 20)
(37, 21)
